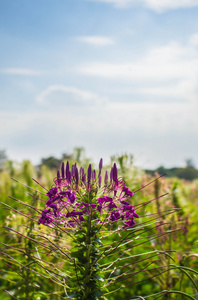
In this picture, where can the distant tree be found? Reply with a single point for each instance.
(78, 153)
(51, 162)
(161, 170)
(3, 158)
(190, 163)
(66, 156)
(188, 173)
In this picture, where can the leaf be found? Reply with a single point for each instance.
(98, 277)
(72, 296)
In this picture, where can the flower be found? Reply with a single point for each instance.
(75, 197)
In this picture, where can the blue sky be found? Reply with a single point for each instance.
(113, 76)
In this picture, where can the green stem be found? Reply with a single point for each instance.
(87, 265)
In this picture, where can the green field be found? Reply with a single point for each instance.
(150, 274)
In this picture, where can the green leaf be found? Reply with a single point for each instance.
(72, 296)
(98, 277)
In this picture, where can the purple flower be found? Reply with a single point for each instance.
(81, 171)
(94, 175)
(50, 201)
(76, 176)
(52, 192)
(135, 214)
(67, 170)
(127, 207)
(71, 223)
(93, 205)
(104, 199)
(45, 217)
(89, 174)
(100, 165)
(128, 215)
(129, 223)
(124, 202)
(58, 174)
(99, 207)
(54, 207)
(111, 205)
(114, 216)
(73, 170)
(63, 170)
(99, 181)
(115, 173)
(85, 205)
(127, 191)
(81, 218)
(71, 196)
(64, 205)
(84, 178)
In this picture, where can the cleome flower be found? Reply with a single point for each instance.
(78, 194)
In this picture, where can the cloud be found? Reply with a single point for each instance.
(169, 70)
(172, 61)
(105, 130)
(163, 5)
(65, 95)
(116, 3)
(18, 71)
(99, 41)
(156, 5)
(194, 39)
(183, 90)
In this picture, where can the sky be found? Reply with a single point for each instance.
(112, 76)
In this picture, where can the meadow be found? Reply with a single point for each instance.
(159, 262)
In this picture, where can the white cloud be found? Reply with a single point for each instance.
(116, 3)
(184, 90)
(18, 71)
(162, 5)
(105, 130)
(194, 39)
(56, 94)
(172, 61)
(156, 5)
(170, 71)
(100, 41)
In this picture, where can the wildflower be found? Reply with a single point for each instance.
(70, 202)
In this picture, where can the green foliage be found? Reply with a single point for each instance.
(43, 273)
(187, 173)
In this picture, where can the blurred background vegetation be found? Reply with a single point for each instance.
(180, 183)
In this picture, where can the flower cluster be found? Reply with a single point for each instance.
(77, 194)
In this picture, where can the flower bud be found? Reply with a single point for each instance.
(99, 181)
(100, 165)
(73, 169)
(63, 170)
(67, 170)
(58, 174)
(115, 172)
(81, 171)
(93, 175)
(89, 173)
